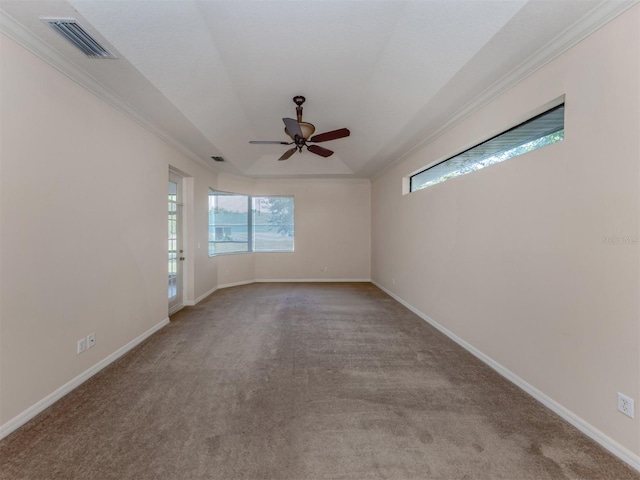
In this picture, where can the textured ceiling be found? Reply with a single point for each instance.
(212, 75)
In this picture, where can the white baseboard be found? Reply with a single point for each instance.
(200, 298)
(295, 280)
(236, 284)
(585, 427)
(272, 280)
(311, 280)
(177, 308)
(53, 397)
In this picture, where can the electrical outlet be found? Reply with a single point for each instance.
(323, 269)
(82, 345)
(393, 280)
(91, 340)
(625, 404)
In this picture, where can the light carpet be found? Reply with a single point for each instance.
(301, 381)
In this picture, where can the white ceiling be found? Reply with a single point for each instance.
(211, 75)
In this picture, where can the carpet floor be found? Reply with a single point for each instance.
(301, 381)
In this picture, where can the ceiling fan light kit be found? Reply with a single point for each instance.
(301, 133)
(306, 128)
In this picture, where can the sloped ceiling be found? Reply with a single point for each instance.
(211, 75)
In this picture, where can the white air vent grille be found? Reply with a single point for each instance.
(73, 31)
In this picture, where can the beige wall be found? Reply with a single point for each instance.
(83, 230)
(83, 219)
(511, 259)
(332, 230)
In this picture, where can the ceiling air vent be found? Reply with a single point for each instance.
(218, 159)
(72, 31)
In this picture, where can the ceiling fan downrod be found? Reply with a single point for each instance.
(299, 100)
(302, 132)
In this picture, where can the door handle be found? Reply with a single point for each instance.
(181, 258)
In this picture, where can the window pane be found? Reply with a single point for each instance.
(173, 239)
(228, 223)
(537, 132)
(273, 224)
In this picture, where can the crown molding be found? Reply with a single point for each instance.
(598, 17)
(292, 179)
(327, 179)
(570, 37)
(14, 30)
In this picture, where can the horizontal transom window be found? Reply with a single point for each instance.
(541, 130)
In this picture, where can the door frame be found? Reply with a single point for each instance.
(176, 302)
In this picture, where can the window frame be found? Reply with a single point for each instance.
(221, 193)
(249, 224)
(547, 110)
(254, 224)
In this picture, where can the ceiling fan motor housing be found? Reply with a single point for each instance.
(307, 130)
(301, 132)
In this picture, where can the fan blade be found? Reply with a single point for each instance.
(288, 153)
(269, 142)
(293, 126)
(332, 135)
(323, 152)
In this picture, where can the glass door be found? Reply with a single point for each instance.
(175, 243)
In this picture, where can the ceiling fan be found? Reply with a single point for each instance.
(300, 132)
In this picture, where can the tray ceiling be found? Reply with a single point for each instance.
(209, 76)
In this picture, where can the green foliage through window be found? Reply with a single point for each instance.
(272, 224)
(537, 132)
(242, 223)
